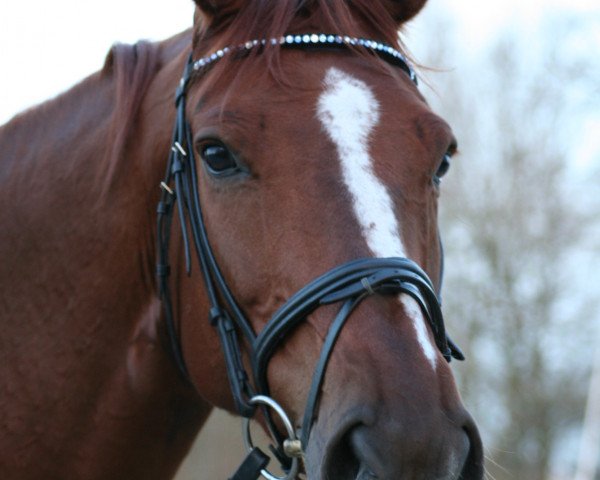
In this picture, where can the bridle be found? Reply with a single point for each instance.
(347, 284)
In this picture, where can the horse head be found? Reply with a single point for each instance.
(313, 206)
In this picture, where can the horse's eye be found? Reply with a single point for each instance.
(219, 160)
(442, 169)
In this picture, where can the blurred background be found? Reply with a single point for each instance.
(519, 81)
(521, 224)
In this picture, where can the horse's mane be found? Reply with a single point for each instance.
(132, 68)
(99, 112)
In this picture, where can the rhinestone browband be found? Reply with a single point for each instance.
(313, 40)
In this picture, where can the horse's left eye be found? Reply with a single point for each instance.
(442, 169)
(219, 160)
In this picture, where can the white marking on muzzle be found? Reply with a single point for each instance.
(349, 112)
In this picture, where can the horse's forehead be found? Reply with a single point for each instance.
(286, 96)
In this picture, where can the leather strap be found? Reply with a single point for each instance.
(251, 466)
(319, 375)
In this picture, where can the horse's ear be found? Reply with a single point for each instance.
(210, 11)
(404, 10)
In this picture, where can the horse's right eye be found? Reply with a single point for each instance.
(218, 159)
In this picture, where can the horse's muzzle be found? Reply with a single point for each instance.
(384, 452)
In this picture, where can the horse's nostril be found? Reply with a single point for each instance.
(346, 461)
(351, 453)
(365, 473)
(342, 462)
(473, 466)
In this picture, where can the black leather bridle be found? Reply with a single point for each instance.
(347, 284)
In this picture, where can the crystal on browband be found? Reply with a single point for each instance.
(316, 40)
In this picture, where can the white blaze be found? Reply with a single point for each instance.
(349, 112)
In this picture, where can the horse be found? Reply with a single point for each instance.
(258, 233)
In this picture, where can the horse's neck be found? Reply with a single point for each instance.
(70, 235)
(86, 388)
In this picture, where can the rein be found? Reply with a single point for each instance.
(348, 284)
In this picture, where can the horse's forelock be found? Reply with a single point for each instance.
(262, 19)
(241, 21)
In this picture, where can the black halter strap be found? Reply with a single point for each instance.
(347, 284)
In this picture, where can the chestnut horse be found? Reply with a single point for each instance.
(301, 194)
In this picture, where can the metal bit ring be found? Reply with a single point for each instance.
(292, 439)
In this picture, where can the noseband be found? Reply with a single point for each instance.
(347, 284)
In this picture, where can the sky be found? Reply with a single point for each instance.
(45, 47)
